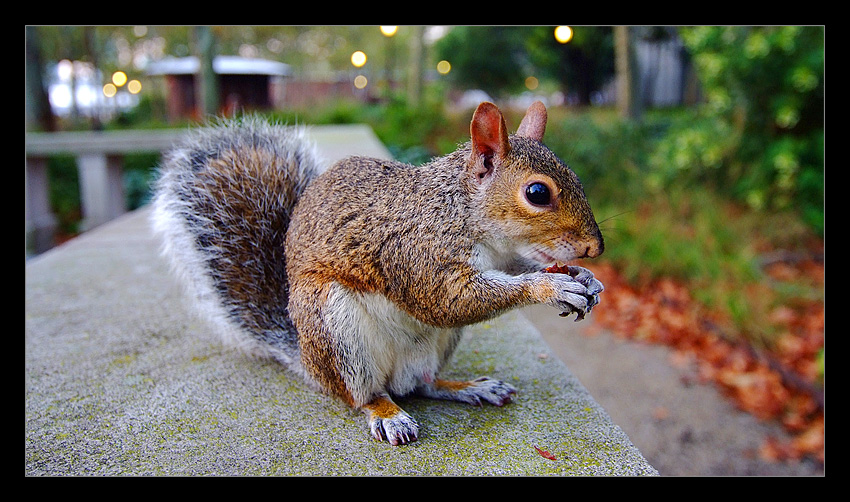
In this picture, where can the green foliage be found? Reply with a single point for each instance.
(699, 238)
(64, 192)
(497, 59)
(581, 66)
(610, 155)
(695, 151)
(406, 127)
(411, 134)
(685, 236)
(139, 171)
(485, 57)
(65, 186)
(759, 135)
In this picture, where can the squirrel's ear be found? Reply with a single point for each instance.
(489, 136)
(533, 125)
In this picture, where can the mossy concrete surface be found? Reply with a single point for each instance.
(121, 379)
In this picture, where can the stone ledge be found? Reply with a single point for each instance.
(120, 380)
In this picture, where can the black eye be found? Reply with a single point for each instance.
(538, 194)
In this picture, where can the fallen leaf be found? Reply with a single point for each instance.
(783, 382)
(545, 454)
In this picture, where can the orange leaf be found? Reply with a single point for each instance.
(545, 454)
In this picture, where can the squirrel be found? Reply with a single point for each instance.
(361, 278)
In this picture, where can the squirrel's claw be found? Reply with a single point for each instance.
(474, 392)
(396, 430)
(577, 292)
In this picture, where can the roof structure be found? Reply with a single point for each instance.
(222, 65)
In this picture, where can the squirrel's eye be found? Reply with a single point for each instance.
(538, 194)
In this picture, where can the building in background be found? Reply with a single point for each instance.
(245, 84)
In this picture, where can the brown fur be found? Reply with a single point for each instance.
(451, 385)
(382, 407)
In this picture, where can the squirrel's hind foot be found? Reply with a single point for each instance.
(495, 392)
(388, 422)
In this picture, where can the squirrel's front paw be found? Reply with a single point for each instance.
(586, 278)
(576, 290)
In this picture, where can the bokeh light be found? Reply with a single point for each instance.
(389, 31)
(563, 34)
(360, 81)
(358, 58)
(119, 78)
(444, 67)
(134, 86)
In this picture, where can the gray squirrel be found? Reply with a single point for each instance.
(361, 279)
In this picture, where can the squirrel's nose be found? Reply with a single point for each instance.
(594, 246)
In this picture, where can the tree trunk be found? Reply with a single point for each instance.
(38, 114)
(414, 76)
(628, 95)
(206, 85)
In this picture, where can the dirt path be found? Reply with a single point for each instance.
(682, 429)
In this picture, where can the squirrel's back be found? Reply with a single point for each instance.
(222, 204)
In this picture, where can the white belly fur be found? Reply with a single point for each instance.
(386, 349)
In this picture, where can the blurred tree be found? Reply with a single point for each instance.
(91, 45)
(62, 42)
(581, 66)
(628, 98)
(760, 133)
(414, 71)
(207, 82)
(38, 114)
(497, 59)
(489, 58)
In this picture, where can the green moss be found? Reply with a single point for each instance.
(124, 360)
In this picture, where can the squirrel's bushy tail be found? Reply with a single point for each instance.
(222, 205)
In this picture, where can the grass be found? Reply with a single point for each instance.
(714, 247)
